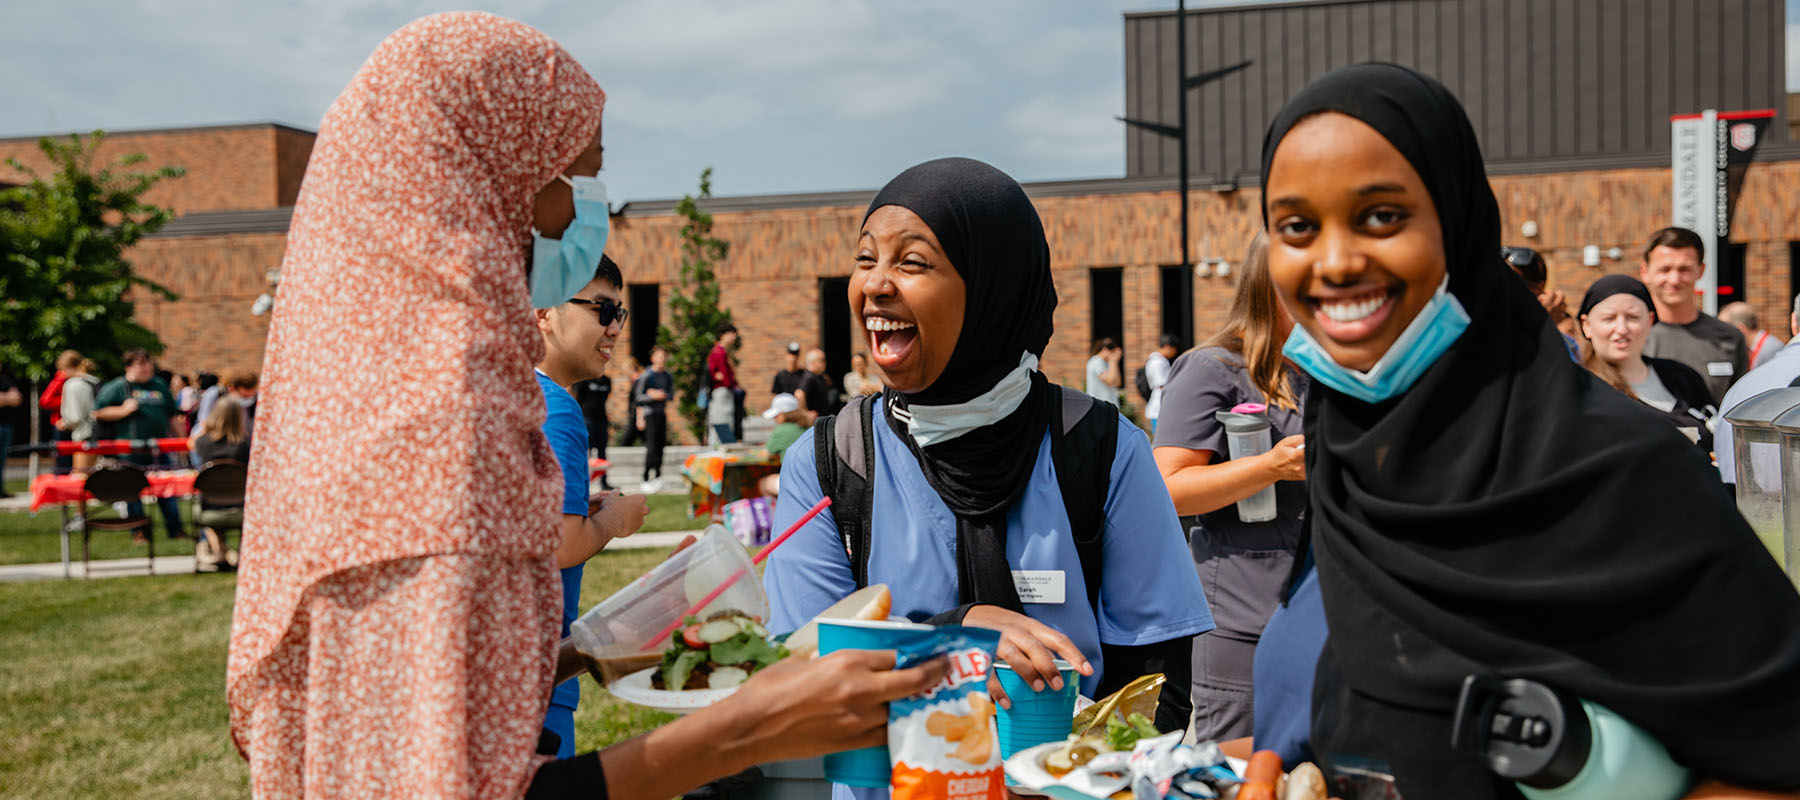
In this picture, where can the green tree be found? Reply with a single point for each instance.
(64, 280)
(696, 314)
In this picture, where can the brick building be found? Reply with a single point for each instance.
(230, 228)
(1590, 168)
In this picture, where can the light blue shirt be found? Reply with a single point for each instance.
(1149, 592)
(1780, 370)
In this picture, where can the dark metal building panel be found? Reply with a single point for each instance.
(1612, 78)
(1168, 154)
(1405, 44)
(1430, 43)
(1235, 123)
(1541, 92)
(1636, 90)
(1487, 38)
(1381, 31)
(1211, 104)
(1548, 84)
(1707, 52)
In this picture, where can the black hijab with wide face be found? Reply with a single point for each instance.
(991, 233)
(1512, 514)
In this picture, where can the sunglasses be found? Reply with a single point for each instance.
(1528, 264)
(607, 311)
(1519, 256)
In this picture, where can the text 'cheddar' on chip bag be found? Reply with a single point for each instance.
(943, 743)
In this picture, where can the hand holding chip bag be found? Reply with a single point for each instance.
(943, 743)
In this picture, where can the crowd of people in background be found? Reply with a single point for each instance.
(81, 404)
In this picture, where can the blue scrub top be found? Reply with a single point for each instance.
(1286, 659)
(1149, 593)
(567, 431)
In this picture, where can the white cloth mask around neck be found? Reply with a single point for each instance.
(931, 425)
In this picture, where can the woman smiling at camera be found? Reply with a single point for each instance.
(1479, 503)
(953, 285)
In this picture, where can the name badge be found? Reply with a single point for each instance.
(1040, 585)
(1718, 369)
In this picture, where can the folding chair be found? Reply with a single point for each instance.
(219, 503)
(118, 483)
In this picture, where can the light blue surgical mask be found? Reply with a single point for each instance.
(1439, 324)
(560, 267)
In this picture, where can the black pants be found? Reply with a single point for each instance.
(64, 464)
(737, 421)
(598, 428)
(656, 431)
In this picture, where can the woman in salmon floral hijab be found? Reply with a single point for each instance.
(397, 611)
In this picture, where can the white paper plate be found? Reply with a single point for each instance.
(635, 688)
(1026, 768)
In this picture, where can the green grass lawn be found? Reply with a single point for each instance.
(115, 688)
(32, 539)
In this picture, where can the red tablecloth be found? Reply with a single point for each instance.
(69, 488)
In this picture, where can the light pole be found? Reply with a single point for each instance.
(1179, 131)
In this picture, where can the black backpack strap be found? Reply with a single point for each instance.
(844, 452)
(1082, 451)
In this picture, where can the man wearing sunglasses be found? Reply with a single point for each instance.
(579, 336)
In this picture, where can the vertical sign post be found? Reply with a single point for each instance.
(1694, 147)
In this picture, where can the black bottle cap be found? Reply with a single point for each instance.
(1526, 731)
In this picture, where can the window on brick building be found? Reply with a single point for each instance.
(645, 302)
(835, 334)
(1731, 273)
(1793, 286)
(1106, 305)
(1178, 304)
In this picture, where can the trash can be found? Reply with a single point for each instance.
(1757, 449)
(1788, 425)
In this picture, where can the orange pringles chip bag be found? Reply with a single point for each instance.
(943, 743)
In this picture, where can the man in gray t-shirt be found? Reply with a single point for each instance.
(1673, 263)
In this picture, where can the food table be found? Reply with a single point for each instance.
(64, 490)
(718, 477)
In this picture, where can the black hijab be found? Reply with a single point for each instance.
(991, 233)
(1512, 514)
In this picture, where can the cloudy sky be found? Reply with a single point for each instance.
(777, 95)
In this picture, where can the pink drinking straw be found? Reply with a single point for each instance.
(655, 641)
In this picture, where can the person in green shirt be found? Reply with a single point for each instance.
(138, 405)
(790, 422)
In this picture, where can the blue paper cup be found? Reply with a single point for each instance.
(1035, 717)
(869, 766)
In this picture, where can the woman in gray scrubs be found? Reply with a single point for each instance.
(1242, 564)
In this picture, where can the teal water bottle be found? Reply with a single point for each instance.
(1559, 747)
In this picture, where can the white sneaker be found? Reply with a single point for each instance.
(205, 560)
